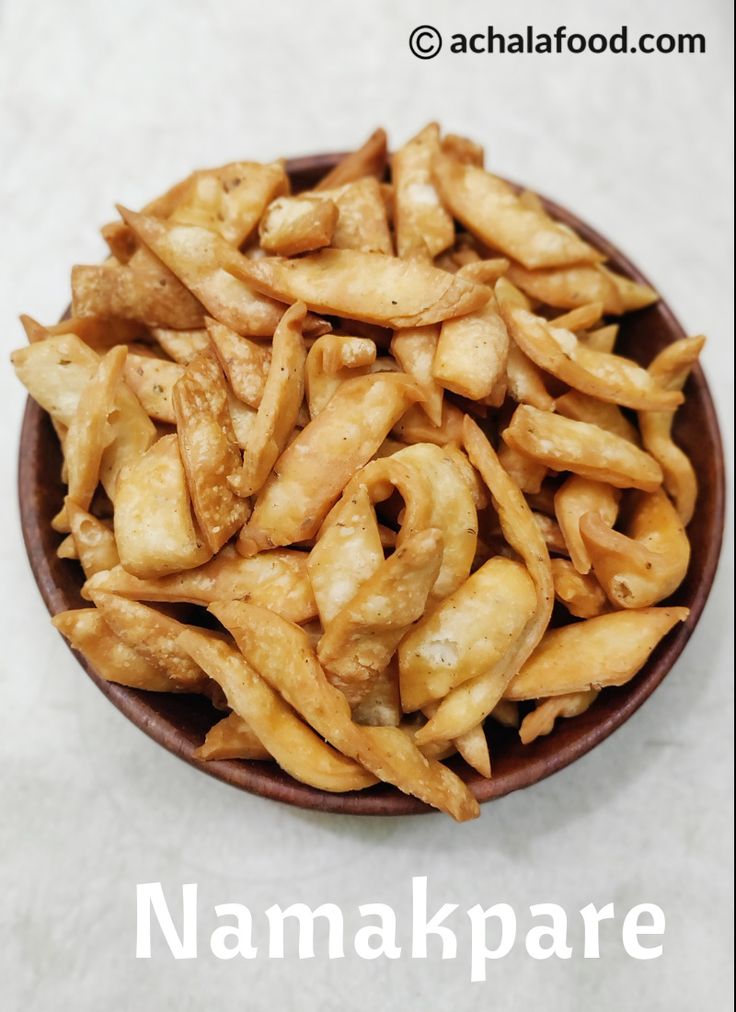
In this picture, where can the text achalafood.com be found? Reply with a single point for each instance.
(561, 40)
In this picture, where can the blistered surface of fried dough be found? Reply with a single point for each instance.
(133, 433)
(181, 345)
(527, 473)
(151, 634)
(55, 372)
(156, 299)
(209, 451)
(607, 377)
(466, 634)
(313, 470)
(568, 287)
(362, 222)
(414, 349)
(281, 654)
(584, 408)
(472, 352)
(452, 512)
(469, 704)
(277, 580)
(607, 650)
(154, 529)
(567, 445)
(364, 286)
(418, 212)
(361, 639)
(332, 359)
(293, 225)
(230, 200)
(112, 659)
(244, 362)
(152, 381)
(576, 497)
(488, 207)
(647, 561)
(283, 393)
(294, 745)
(670, 369)
(89, 431)
(347, 553)
(94, 541)
(199, 258)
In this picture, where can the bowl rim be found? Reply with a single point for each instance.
(267, 780)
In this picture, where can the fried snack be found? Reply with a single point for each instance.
(569, 287)
(670, 369)
(113, 660)
(646, 562)
(55, 372)
(602, 339)
(154, 529)
(566, 445)
(391, 292)
(231, 738)
(419, 217)
(155, 298)
(576, 497)
(293, 225)
(209, 451)
(608, 650)
(93, 539)
(361, 638)
(362, 222)
(469, 704)
(488, 207)
(584, 408)
(277, 580)
(133, 433)
(280, 653)
(152, 380)
(447, 648)
(368, 160)
(463, 149)
(415, 427)
(151, 634)
(244, 362)
(596, 373)
(580, 319)
(332, 359)
(381, 703)
(582, 595)
(287, 739)
(230, 200)
(526, 472)
(452, 512)
(330, 487)
(472, 352)
(99, 333)
(201, 260)
(89, 430)
(277, 413)
(181, 345)
(347, 553)
(414, 348)
(297, 496)
(542, 719)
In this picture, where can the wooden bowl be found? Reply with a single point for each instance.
(179, 722)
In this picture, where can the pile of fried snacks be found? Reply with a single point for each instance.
(332, 457)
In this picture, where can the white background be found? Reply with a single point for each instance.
(104, 102)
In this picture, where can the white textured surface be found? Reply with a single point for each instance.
(103, 101)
